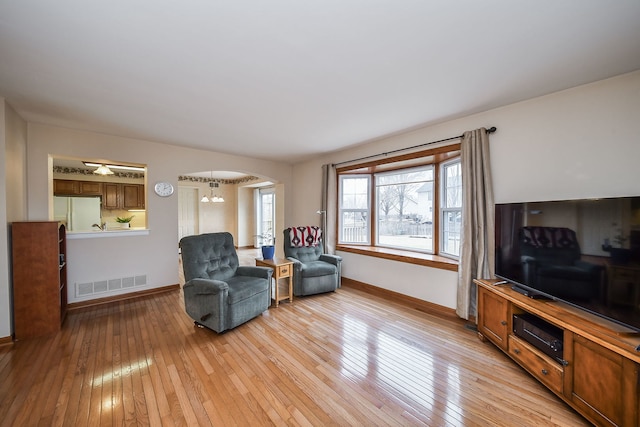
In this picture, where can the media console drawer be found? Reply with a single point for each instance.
(541, 366)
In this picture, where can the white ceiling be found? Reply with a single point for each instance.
(290, 79)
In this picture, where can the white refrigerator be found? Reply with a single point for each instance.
(78, 213)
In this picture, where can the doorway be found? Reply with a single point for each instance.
(187, 212)
(266, 214)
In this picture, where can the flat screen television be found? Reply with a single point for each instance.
(585, 253)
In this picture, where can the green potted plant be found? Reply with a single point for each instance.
(124, 221)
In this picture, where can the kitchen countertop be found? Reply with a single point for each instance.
(122, 232)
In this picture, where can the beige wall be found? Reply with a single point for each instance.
(5, 295)
(236, 214)
(155, 254)
(13, 204)
(215, 217)
(576, 143)
(581, 142)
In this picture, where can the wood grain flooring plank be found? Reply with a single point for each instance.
(342, 358)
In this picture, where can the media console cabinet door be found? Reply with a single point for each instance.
(493, 322)
(604, 384)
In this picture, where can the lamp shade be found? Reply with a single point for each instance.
(103, 170)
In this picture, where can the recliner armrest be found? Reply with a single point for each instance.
(254, 271)
(205, 287)
(294, 260)
(332, 259)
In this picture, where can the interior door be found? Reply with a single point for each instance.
(188, 223)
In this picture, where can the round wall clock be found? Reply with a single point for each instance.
(163, 189)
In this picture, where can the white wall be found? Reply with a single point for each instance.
(581, 142)
(156, 253)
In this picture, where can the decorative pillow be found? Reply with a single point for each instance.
(305, 236)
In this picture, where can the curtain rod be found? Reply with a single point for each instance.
(492, 129)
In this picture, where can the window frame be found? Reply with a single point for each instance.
(435, 157)
(342, 209)
(444, 210)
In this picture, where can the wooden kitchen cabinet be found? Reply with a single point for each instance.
(111, 196)
(64, 187)
(123, 196)
(114, 195)
(132, 196)
(39, 263)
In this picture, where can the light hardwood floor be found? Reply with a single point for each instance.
(343, 358)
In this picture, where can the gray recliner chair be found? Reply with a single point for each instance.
(313, 271)
(219, 293)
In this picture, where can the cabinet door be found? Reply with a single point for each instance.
(63, 187)
(141, 196)
(36, 269)
(111, 196)
(603, 384)
(493, 321)
(90, 188)
(62, 261)
(131, 196)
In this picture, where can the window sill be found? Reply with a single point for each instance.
(427, 260)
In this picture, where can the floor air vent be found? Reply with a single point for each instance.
(106, 286)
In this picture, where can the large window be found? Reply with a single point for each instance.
(404, 201)
(412, 204)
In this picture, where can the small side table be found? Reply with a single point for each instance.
(282, 269)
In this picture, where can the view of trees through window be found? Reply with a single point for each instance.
(412, 208)
(405, 209)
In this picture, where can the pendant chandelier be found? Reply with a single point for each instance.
(103, 170)
(213, 198)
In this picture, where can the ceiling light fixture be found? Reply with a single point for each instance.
(103, 170)
(212, 198)
(120, 167)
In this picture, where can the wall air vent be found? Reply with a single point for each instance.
(104, 287)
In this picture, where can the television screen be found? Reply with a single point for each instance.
(583, 252)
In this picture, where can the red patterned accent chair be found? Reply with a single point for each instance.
(314, 272)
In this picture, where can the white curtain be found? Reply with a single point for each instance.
(329, 208)
(477, 243)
